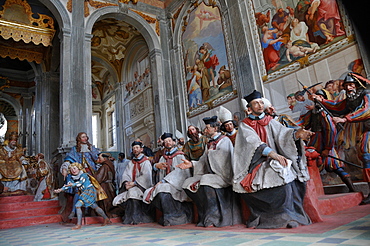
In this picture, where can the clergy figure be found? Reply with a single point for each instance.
(167, 195)
(136, 178)
(210, 187)
(228, 125)
(270, 170)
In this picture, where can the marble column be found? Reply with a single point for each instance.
(237, 16)
(120, 116)
(161, 95)
(45, 136)
(26, 126)
(75, 93)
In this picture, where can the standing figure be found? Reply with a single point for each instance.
(209, 60)
(12, 172)
(210, 187)
(195, 146)
(105, 176)
(45, 176)
(302, 105)
(355, 111)
(167, 195)
(87, 189)
(136, 178)
(321, 123)
(86, 154)
(270, 170)
(228, 125)
(119, 167)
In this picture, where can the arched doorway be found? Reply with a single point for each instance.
(123, 83)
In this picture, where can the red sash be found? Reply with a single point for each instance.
(137, 166)
(212, 144)
(259, 127)
(169, 159)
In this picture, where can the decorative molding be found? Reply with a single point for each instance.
(128, 1)
(148, 19)
(21, 54)
(18, 26)
(94, 4)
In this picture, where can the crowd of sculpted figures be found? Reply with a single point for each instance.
(259, 161)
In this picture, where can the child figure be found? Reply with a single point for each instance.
(87, 190)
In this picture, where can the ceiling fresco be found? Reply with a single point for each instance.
(108, 49)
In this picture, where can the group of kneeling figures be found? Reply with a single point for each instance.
(266, 168)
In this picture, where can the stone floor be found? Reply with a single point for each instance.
(349, 227)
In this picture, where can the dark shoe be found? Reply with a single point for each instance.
(348, 182)
(366, 200)
(292, 224)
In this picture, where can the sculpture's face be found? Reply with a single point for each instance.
(101, 159)
(168, 143)
(192, 130)
(209, 131)
(13, 143)
(84, 138)
(137, 150)
(350, 88)
(257, 106)
(74, 170)
(229, 126)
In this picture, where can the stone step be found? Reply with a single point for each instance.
(342, 188)
(330, 204)
(27, 205)
(16, 199)
(29, 221)
(26, 212)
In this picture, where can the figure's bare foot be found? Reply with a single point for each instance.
(76, 227)
(106, 222)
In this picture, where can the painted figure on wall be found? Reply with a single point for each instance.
(138, 84)
(207, 73)
(297, 30)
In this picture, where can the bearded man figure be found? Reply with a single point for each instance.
(194, 148)
(354, 112)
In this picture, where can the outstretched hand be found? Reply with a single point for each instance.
(304, 134)
(185, 165)
(57, 190)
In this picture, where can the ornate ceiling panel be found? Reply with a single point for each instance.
(109, 43)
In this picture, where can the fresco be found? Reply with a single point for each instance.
(205, 60)
(292, 29)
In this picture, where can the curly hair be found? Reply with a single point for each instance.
(75, 164)
(78, 142)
